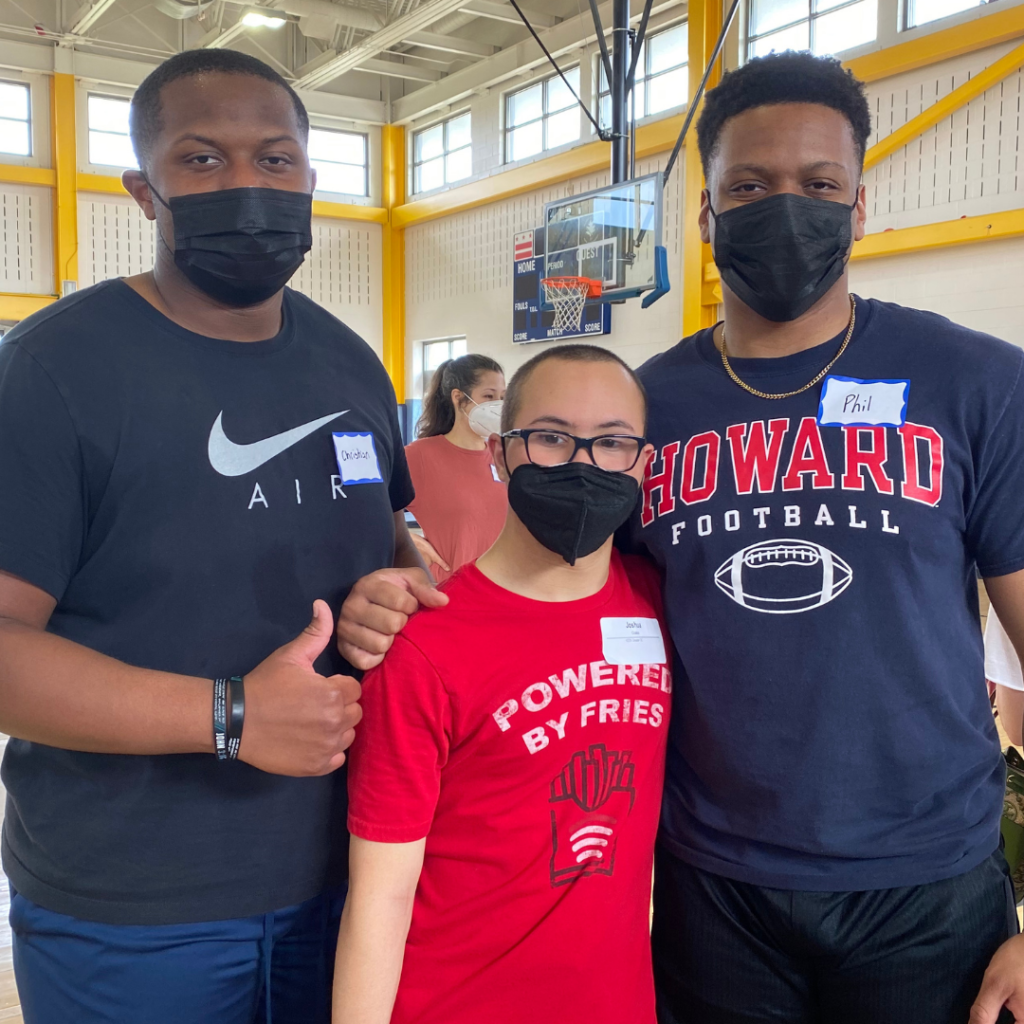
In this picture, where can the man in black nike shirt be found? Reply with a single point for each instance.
(177, 499)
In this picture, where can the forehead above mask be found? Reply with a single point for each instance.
(784, 79)
(586, 394)
(207, 70)
(785, 140)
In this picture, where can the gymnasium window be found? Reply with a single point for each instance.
(821, 26)
(436, 352)
(541, 116)
(661, 75)
(339, 159)
(109, 144)
(921, 11)
(442, 154)
(16, 123)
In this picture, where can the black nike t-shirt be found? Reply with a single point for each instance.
(184, 500)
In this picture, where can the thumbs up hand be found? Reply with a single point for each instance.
(298, 722)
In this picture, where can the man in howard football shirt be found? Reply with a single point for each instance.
(506, 780)
(832, 474)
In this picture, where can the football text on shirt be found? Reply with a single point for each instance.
(692, 473)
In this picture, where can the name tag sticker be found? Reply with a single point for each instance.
(633, 641)
(849, 402)
(357, 459)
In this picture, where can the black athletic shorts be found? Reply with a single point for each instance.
(727, 952)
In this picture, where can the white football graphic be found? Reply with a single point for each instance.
(781, 577)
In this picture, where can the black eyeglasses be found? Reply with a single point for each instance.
(616, 453)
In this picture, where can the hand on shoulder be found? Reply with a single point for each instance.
(377, 609)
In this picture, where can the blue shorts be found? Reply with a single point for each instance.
(215, 973)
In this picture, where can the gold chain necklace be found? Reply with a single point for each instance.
(810, 384)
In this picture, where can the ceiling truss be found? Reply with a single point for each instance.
(420, 42)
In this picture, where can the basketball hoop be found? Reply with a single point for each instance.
(568, 296)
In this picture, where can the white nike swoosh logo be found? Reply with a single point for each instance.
(230, 459)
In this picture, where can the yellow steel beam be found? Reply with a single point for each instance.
(65, 163)
(989, 226)
(393, 175)
(109, 184)
(594, 156)
(350, 211)
(705, 17)
(14, 306)
(11, 174)
(999, 26)
(941, 109)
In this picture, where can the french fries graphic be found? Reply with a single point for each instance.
(590, 796)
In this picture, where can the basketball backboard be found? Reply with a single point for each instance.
(610, 235)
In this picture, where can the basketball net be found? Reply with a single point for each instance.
(568, 296)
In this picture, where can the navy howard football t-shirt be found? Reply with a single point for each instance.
(831, 727)
(181, 498)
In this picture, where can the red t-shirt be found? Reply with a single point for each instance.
(460, 502)
(506, 731)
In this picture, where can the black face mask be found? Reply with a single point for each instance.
(571, 509)
(781, 254)
(241, 245)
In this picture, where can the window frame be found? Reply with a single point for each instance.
(646, 77)
(450, 341)
(101, 131)
(344, 163)
(908, 6)
(445, 151)
(545, 115)
(29, 122)
(812, 16)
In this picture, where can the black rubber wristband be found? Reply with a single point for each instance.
(235, 715)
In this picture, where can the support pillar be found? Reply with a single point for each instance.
(393, 188)
(699, 301)
(65, 197)
(617, 90)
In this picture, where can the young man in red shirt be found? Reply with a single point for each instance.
(506, 781)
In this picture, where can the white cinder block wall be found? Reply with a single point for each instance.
(967, 165)
(979, 286)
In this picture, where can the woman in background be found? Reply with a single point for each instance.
(460, 501)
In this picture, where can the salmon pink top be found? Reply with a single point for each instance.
(460, 502)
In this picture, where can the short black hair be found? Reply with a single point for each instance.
(783, 78)
(144, 116)
(568, 353)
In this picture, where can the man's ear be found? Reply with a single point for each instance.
(137, 187)
(704, 216)
(497, 450)
(860, 214)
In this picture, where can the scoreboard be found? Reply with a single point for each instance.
(529, 321)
